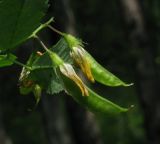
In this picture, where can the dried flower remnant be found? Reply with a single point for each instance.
(79, 56)
(68, 71)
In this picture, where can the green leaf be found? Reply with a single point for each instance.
(47, 79)
(93, 101)
(18, 19)
(55, 85)
(7, 60)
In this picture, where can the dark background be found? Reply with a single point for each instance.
(124, 37)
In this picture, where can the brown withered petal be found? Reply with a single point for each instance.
(24, 80)
(79, 56)
(69, 72)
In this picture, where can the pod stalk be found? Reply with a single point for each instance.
(55, 30)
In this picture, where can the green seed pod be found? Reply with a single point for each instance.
(82, 58)
(37, 90)
(93, 101)
(102, 75)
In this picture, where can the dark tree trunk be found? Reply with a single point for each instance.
(6, 88)
(55, 121)
(146, 69)
(83, 123)
(4, 139)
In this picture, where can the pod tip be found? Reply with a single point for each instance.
(131, 107)
(128, 84)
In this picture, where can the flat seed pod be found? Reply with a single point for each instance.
(93, 101)
(102, 75)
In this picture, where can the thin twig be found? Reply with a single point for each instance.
(55, 30)
(22, 65)
(42, 44)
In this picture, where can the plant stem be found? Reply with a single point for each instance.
(54, 57)
(42, 26)
(42, 44)
(21, 64)
(55, 30)
(41, 67)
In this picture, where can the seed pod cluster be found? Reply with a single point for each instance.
(69, 79)
(80, 92)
